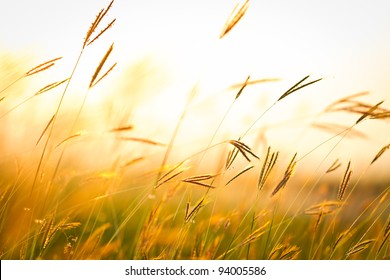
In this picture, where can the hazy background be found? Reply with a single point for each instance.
(165, 48)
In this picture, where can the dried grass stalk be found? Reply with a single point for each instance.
(78, 134)
(199, 180)
(335, 165)
(190, 215)
(41, 67)
(142, 140)
(200, 184)
(380, 153)
(255, 235)
(95, 24)
(369, 112)
(162, 179)
(122, 128)
(97, 71)
(268, 165)
(287, 175)
(105, 74)
(47, 231)
(386, 234)
(344, 182)
(231, 158)
(360, 246)
(239, 174)
(102, 31)
(346, 99)
(340, 237)
(326, 207)
(242, 88)
(253, 82)
(44, 131)
(337, 129)
(234, 18)
(243, 149)
(50, 87)
(298, 86)
(166, 177)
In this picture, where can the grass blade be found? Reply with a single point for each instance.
(97, 71)
(287, 175)
(234, 18)
(344, 182)
(380, 153)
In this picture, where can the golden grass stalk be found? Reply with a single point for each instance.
(48, 231)
(335, 165)
(105, 74)
(380, 153)
(150, 232)
(242, 88)
(322, 209)
(287, 175)
(142, 140)
(284, 252)
(200, 184)
(41, 67)
(369, 112)
(386, 234)
(45, 129)
(161, 182)
(243, 149)
(340, 237)
(268, 165)
(190, 215)
(337, 128)
(360, 246)
(95, 24)
(387, 229)
(198, 180)
(90, 31)
(383, 115)
(37, 69)
(122, 128)
(255, 235)
(239, 174)
(326, 207)
(78, 134)
(349, 105)
(99, 68)
(102, 31)
(253, 82)
(39, 92)
(236, 15)
(291, 90)
(344, 182)
(231, 158)
(166, 177)
(89, 246)
(50, 87)
(297, 86)
(346, 99)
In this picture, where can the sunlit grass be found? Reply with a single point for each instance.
(78, 187)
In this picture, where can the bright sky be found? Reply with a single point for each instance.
(346, 42)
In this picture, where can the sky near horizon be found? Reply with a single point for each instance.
(345, 42)
(344, 39)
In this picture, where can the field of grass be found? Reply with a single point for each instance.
(86, 190)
